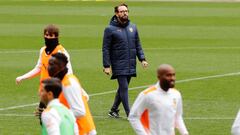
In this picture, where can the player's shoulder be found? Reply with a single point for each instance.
(61, 49)
(73, 78)
(42, 49)
(70, 80)
(50, 113)
(49, 110)
(66, 80)
(149, 90)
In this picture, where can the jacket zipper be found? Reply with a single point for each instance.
(128, 48)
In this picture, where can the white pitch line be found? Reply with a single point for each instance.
(180, 81)
(19, 106)
(209, 118)
(208, 77)
(189, 48)
(80, 50)
(17, 115)
(106, 117)
(187, 118)
(134, 88)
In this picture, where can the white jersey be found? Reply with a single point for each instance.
(52, 119)
(156, 112)
(236, 125)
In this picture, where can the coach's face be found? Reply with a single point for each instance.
(122, 13)
(54, 67)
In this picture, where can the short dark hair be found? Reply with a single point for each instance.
(116, 7)
(53, 85)
(51, 29)
(61, 57)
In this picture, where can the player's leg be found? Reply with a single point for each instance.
(123, 92)
(114, 110)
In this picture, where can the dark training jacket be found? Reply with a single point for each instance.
(121, 45)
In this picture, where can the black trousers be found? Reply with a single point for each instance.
(122, 94)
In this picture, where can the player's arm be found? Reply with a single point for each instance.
(34, 72)
(106, 46)
(236, 125)
(179, 123)
(73, 96)
(51, 120)
(84, 93)
(139, 49)
(136, 112)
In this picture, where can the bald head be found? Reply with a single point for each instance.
(166, 76)
(163, 68)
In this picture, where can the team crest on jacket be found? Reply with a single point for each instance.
(131, 29)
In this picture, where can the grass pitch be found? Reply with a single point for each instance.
(198, 39)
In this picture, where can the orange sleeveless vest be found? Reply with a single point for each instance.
(85, 123)
(44, 61)
(45, 58)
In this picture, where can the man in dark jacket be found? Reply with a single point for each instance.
(121, 45)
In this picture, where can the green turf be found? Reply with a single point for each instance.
(198, 39)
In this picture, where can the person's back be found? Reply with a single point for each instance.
(61, 114)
